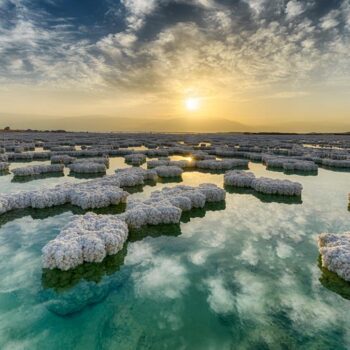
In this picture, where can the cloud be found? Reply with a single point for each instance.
(211, 46)
(220, 299)
(156, 276)
(294, 8)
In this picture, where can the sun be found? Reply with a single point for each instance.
(192, 103)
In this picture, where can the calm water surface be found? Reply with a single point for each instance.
(238, 275)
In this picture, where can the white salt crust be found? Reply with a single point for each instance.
(97, 193)
(87, 168)
(225, 164)
(62, 158)
(88, 238)
(289, 164)
(91, 237)
(165, 206)
(262, 184)
(135, 158)
(38, 169)
(4, 166)
(335, 253)
(168, 171)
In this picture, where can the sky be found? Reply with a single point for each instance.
(194, 65)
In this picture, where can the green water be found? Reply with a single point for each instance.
(238, 275)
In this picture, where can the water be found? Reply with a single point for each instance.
(239, 275)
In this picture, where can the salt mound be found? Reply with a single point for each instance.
(131, 177)
(135, 159)
(91, 194)
(62, 158)
(99, 160)
(88, 238)
(4, 166)
(38, 169)
(335, 253)
(87, 168)
(336, 163)
(239, 178)
(263, 184)
(168, 171)
(225, 164)
(289, 164)
(166, 206)
(184, 164)
(275, 186)
(96, 195)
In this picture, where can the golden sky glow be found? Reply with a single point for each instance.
(254, 65)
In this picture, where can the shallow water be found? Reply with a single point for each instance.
(239, 275)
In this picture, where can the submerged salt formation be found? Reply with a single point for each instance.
(166, 206)
(38, 170)
(263, 184)
(88, 238)
(335, 253)
(168, 171)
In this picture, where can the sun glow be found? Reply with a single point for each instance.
(192, 104)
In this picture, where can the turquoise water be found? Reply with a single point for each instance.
(239, 275)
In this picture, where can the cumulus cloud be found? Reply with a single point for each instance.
(162, 47)
(294, 8)
(220, 299)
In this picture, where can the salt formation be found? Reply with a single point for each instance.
(225, 164)
(96, 195)
(99, 160)
(88, 238)
(263, 184)
(130, 177)
(289, 164)
(62, 158)
(184, 164)
(239, 178)
(38, 169)
(336, 163)
(3, 157)
(166, 206)
(335, 253)
(4, 166)
(168, 171)
(87, 168)
(91, 194)
(274, 186)
(135, 159)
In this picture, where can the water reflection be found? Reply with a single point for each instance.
(40, 214)
(61, 281)
(58, 285)
(333, 282)
(168, 180)
(265, 198)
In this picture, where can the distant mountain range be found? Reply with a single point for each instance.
(106, 124)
